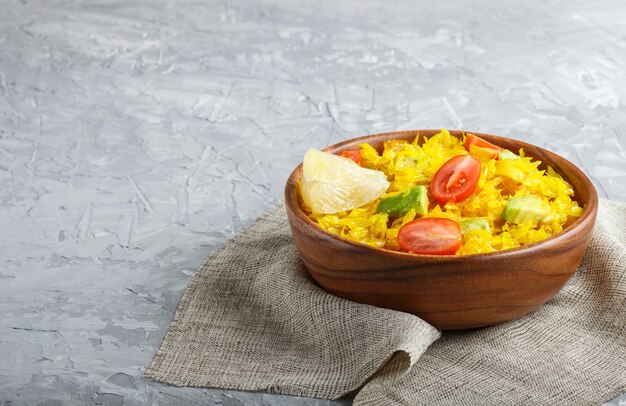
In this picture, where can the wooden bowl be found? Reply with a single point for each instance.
(449, 292)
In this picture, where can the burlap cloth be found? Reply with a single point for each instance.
(252, 319)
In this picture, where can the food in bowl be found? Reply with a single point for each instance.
(440, 195)
(448, 291)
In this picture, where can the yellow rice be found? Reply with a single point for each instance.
(408, 164)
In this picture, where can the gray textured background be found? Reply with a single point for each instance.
(137, 136)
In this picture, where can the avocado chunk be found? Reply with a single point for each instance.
(525, 210)
(399, 204)
(475, 223)
(506, 154)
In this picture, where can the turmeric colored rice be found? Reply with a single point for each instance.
(407, 164)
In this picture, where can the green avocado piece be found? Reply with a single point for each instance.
(390, 204)
(398, 205)
(525, 209)
(506, 154)
(475, 223)
(419, 200)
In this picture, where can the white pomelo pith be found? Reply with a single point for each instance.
(331, 184)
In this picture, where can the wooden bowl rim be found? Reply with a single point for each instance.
(589, 213)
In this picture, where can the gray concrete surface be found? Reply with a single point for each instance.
(137, 136)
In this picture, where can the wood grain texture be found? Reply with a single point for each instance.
(449, 292)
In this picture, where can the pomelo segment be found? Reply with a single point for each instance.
(332, 184)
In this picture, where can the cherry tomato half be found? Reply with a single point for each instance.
(435, 236)
(456, 179)
(482, 145)
(353, 154)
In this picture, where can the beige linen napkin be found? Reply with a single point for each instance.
(252, 319)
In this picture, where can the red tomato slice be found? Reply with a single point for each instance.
(354, 154)
(471, 139)
(456, 179)
(435, 236)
